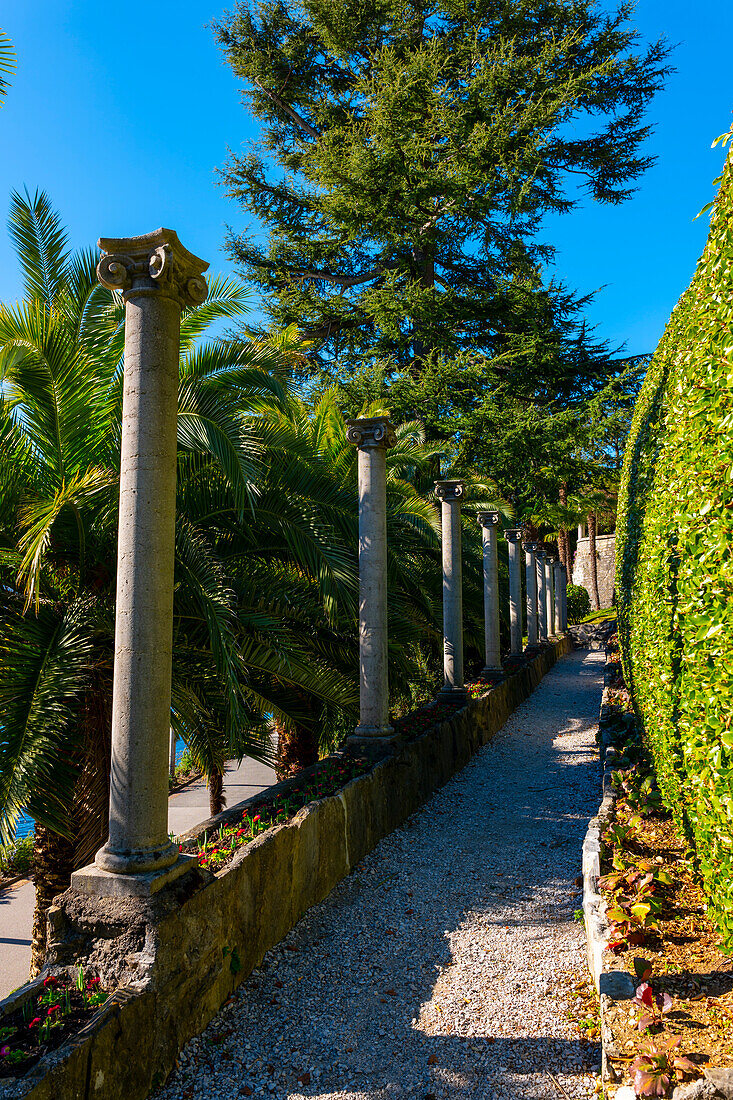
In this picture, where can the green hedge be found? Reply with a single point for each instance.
(674, 561)
(578, 603)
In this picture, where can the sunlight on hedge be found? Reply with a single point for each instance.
(675, 564)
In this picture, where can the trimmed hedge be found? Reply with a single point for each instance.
(578, 603)
(674, 561)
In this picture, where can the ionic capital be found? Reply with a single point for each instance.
(513, 534)
(489, 519)
(371, 431)
(156, 263)
(449, 491)
(530, 547)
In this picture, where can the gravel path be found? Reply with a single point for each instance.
(436, 968)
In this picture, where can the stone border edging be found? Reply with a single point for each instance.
(178, 956)
(610, 984)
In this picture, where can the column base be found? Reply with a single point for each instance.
(109, 884)
(452, 695)
(372, 740)
(492, 670)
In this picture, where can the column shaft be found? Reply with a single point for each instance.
(138, 817)
(372, 436)
(557, 570)
(373, 685)
(489, 522)
(450, 494)
(515, 592)
(549, 596)
(541, 600)
(531, 580)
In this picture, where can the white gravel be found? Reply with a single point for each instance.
(434, 970)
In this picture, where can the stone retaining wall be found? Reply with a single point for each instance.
(605, 566)
(178, 956)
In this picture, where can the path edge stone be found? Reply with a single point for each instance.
(597, 931)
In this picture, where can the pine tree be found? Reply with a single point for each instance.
(409, 152)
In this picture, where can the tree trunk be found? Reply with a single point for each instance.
(53, 862)
(54, 857)
(297, 748)
(593, 561)
(563, 538)
(217, 801)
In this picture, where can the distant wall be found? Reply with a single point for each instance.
(606, 559)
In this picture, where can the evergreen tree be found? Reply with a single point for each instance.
(409, 152)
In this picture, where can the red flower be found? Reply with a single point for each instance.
(255, 818)
(50, 981)
(34, 1021)
(52, 1009)
(92, 982)
(4, 1051)
(180, 847)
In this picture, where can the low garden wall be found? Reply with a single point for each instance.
(176, 957)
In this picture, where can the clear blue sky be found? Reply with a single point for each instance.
(122, 112)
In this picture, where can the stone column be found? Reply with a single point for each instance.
(513, 538)
(541, 600)
(549, 594)
(372, 435)
(531, 578)
(157, 277)
(564, 599)
(557, 570)
(489, 523)
(449, 493)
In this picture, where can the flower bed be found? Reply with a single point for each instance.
(43, 1022)
(679, 1021)
(328, 778)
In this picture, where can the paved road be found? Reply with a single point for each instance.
(185, 810)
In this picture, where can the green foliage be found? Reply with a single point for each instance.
(16, 857)
(7, 64)
(578, 603)
(675, 563)
(410, 153)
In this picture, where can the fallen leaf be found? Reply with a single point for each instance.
(278, 985)
(246, 1091)
(432, 1060)
(305, 1078)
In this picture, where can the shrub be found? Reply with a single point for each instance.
(674, 566)
(16, 858)
(578, 603)
(186, 764)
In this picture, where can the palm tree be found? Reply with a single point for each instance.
(238, 655)
(313, 484)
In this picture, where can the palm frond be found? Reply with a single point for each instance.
(41, 243)
(7, 65)
(44, 666)
(227, 298)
